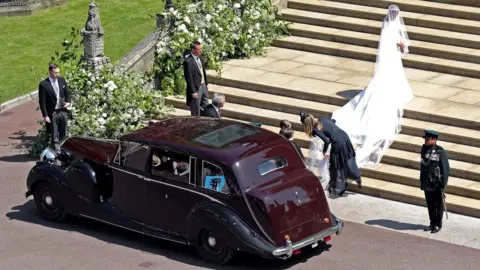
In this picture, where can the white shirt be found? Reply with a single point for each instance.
(56, 87)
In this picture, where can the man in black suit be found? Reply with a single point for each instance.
(196, 78)
(213, 109)
(54, 100)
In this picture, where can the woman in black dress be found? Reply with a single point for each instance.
(338, 148)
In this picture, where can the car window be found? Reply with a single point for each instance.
(226, 135)
(120, 155)
(174, 165)
(135, 156)
(271, 165)
(213, 178)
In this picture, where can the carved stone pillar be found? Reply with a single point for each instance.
(93, 37)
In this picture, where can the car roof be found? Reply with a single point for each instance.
(185, 134)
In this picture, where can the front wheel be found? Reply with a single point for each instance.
(48, 203)
(212, 249)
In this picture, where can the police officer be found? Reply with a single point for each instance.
(434, 172)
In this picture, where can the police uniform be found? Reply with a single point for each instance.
(434, 172)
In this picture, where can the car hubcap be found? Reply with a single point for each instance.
(211, 241)
(48, 200)
(212, 244)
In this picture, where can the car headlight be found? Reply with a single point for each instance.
(48, 155)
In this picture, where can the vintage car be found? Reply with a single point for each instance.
(220, 185)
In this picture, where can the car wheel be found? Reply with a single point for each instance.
(212, 249)
(48, 203)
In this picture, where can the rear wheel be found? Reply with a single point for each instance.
(212, 248)
(48, 203)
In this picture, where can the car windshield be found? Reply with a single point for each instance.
(226, 135)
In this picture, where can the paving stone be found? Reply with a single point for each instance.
(281, 66)
(253, 62)
(433, 91)
(470, 83)
(275, 79)
(243, 73)
(467, 96)
(447, 79)
(318, 59)
(282, 53)
(461, 111)
(426, 105)
(320, 72)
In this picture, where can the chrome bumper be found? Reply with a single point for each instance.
(286, 252)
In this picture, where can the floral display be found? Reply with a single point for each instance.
(106, 103)
(226, 28)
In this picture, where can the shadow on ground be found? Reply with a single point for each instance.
(395, 225)
(28, 213)
(22, 142)
(349, 94)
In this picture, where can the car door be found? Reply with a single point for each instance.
(129, 194)
(174, 195)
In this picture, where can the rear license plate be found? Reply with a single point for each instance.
(314, 245)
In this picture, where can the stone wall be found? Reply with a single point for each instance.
(10, 8)
(141, 57)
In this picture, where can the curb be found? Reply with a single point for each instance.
(9, 104)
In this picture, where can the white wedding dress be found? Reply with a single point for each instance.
(373, 118)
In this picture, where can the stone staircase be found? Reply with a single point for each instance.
(330, 57)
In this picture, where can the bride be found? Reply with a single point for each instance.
(373, 118)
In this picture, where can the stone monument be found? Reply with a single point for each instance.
(93, 39)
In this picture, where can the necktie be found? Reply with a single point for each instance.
(55, 86)
(199, 63)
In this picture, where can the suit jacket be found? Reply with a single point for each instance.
(210, 111)
(193, 75)
(47, 97)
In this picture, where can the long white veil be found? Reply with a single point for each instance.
(373, 118)
(316, 161)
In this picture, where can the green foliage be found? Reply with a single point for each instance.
(224, 30)
(106, 103)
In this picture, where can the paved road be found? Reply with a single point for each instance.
(28, 242)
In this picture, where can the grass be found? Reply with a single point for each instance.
(28, 42)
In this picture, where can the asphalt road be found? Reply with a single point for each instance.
(28, 242)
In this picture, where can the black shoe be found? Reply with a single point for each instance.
(429, 228)
(436, 229)
(359, 182)
(343, 191)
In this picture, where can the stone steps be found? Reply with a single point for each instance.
(371, 41)
(390, 182)
(250, 109)
(378, 14)
(321, 97)
(330, 58)
(370, 54)
(374, 27)
(424, 7)
(468, 3)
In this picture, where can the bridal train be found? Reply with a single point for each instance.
(373, 118)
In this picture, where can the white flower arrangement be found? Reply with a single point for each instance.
(224, 32)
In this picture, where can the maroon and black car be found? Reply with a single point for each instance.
(221, 185)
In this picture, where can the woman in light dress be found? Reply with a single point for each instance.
(331, 154)
(373, 118)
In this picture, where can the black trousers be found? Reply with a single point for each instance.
(200, 102)
(57, 128)
(435, 206)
